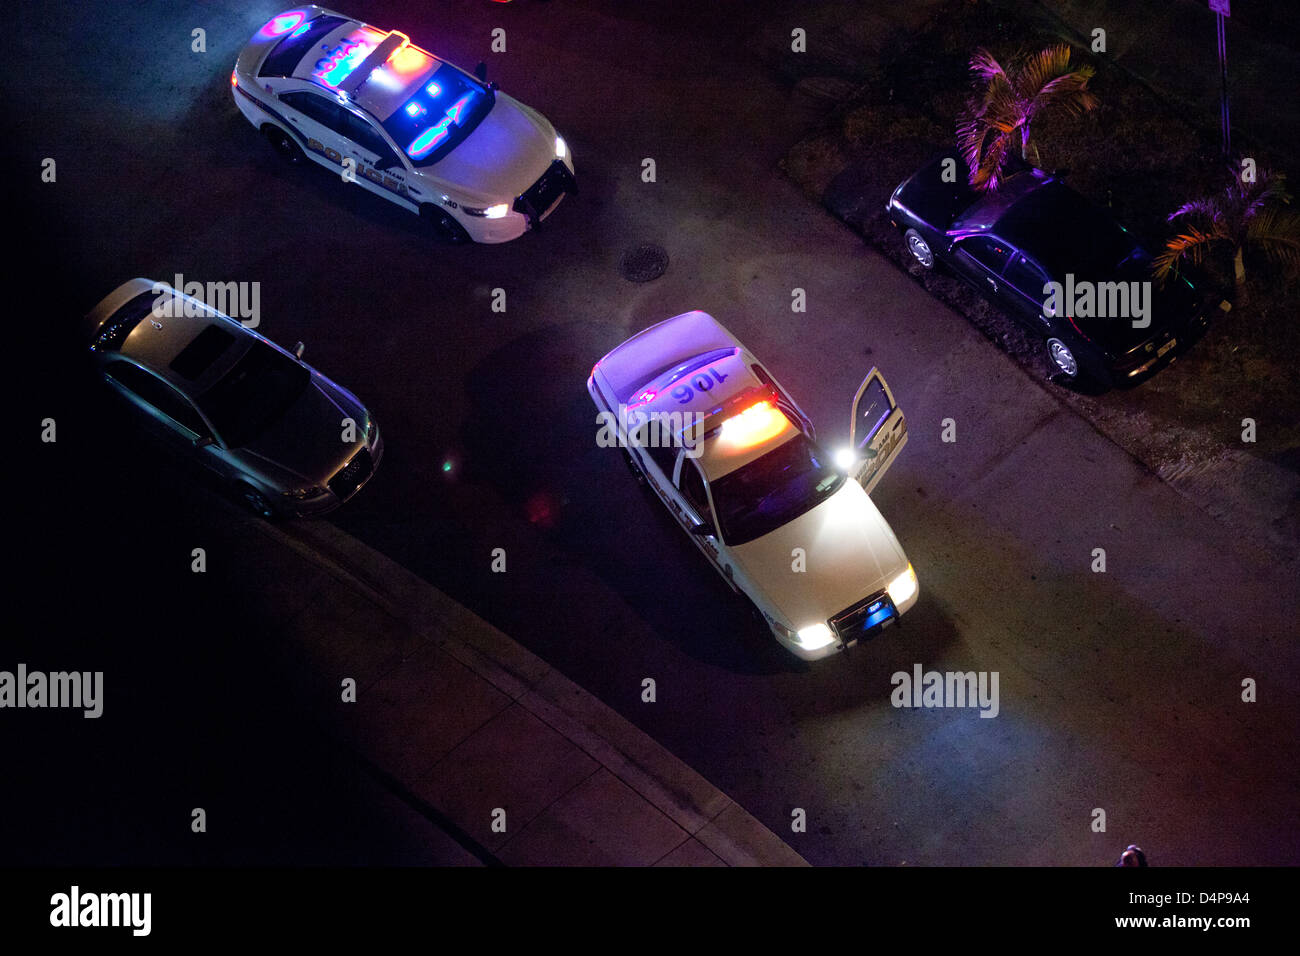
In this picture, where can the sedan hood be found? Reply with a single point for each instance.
(307, 439)
(505, 154)
(851, 553)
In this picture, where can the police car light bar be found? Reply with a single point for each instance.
(376, 58)
(718, 416)
(753, 426)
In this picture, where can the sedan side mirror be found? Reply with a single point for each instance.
(298, 349)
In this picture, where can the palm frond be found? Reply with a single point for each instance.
(1068, 93)
(1268, 187)
(984, 65)
(1208, 208)
(1276, 233)
(1192, 245)
(987, 174)
(1044, 66)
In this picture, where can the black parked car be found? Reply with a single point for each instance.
(1034, 230)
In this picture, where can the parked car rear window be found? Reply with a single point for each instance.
(205, 348)
(288, 53)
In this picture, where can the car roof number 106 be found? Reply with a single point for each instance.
(702, 382)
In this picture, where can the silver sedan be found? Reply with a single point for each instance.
(285, 438)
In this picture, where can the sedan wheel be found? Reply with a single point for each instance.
(919, 248)
(1063, 359)
(255, 501)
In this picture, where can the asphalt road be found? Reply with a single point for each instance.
(1119, 690)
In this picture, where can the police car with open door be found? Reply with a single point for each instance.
(736, 462)
(402, 123)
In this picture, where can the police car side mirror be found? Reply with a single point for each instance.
(298, 349)
(481, 71)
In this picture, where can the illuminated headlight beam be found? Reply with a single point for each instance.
(815, 636)
(903, 587)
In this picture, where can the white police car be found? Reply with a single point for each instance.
(408, 126)
(736, 462)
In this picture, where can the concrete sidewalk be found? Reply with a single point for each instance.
(466, 726)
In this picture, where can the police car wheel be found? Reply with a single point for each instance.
(284, 145)
(444, 225)
(632, 466)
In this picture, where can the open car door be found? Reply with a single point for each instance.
(878, 432)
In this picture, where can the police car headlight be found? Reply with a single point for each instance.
(815, 636)
(903, 587)
(561, 147)
(491, 212)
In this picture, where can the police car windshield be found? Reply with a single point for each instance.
(444, 108)
(259, 388)
(773, 490)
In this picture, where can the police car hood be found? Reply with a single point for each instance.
(850, 553)
(306, 439)
(505, 154)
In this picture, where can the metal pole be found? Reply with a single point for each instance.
(1223, 73)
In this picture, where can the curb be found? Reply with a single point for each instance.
(705, 813)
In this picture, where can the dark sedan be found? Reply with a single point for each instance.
(1058, 263)
(283, 437)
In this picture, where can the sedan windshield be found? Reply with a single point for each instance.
(773, 490)
(254, 394)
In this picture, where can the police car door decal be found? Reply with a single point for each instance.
(878, 431)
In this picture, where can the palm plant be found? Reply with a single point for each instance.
(1244, 215)
(1011, 100)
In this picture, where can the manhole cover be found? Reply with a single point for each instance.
(643, 263)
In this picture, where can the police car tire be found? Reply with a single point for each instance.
(283, 145)
(444, 224)
(632, 466)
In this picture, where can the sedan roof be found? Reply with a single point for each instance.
(176, 343)
(1065, 231)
